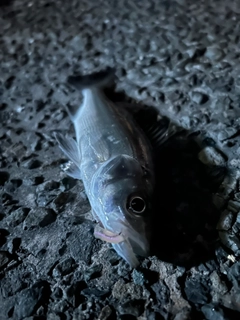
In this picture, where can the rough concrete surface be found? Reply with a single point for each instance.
(179, 56)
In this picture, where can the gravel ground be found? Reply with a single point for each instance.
(181, 57)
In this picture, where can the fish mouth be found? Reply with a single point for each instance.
(128, 244)
(107, 236)
(119, 243)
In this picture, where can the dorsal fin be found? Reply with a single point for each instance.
(157, 128)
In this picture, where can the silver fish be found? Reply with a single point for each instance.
(113, 158)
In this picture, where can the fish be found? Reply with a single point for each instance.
(113, 158)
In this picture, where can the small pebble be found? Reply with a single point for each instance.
(65, 267)
(226, 220)
(133, 307)
(105, 313)
(4, 259)
(211, 157)
(138, 277)
(213, 53)
(199, 97)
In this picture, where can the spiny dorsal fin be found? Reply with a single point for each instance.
(158, 129)
(158, 135)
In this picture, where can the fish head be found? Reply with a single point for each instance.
(122, 192)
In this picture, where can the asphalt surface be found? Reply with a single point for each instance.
(180, 57)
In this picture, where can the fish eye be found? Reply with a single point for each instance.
(136, 205)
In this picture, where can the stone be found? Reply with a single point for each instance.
(233, 275)
(79, 249)
(92, 272)
(211, 157)
(138, 277)
(5, 258)
(132, 307)
(162, 292)
(197, 291)
(64, 267)
(105, 313)
(39, 217)
(212, 313)
(29, 299)
(199, 97)
(213, 53)
(226, 220)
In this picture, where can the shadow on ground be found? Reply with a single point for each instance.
(5, 3)
(185, 219)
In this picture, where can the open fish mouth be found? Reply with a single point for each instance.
(130, 236)
(120, 244)
(107, 236)
(127, 245)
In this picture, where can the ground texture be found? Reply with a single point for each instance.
(182, 57)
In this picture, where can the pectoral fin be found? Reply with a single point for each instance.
(73, 171)
(69, 147)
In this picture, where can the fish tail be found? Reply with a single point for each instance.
(87, 83)
(97, 80)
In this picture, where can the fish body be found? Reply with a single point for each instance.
(113, 158)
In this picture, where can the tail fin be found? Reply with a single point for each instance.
(91, 82)
(98, 79)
